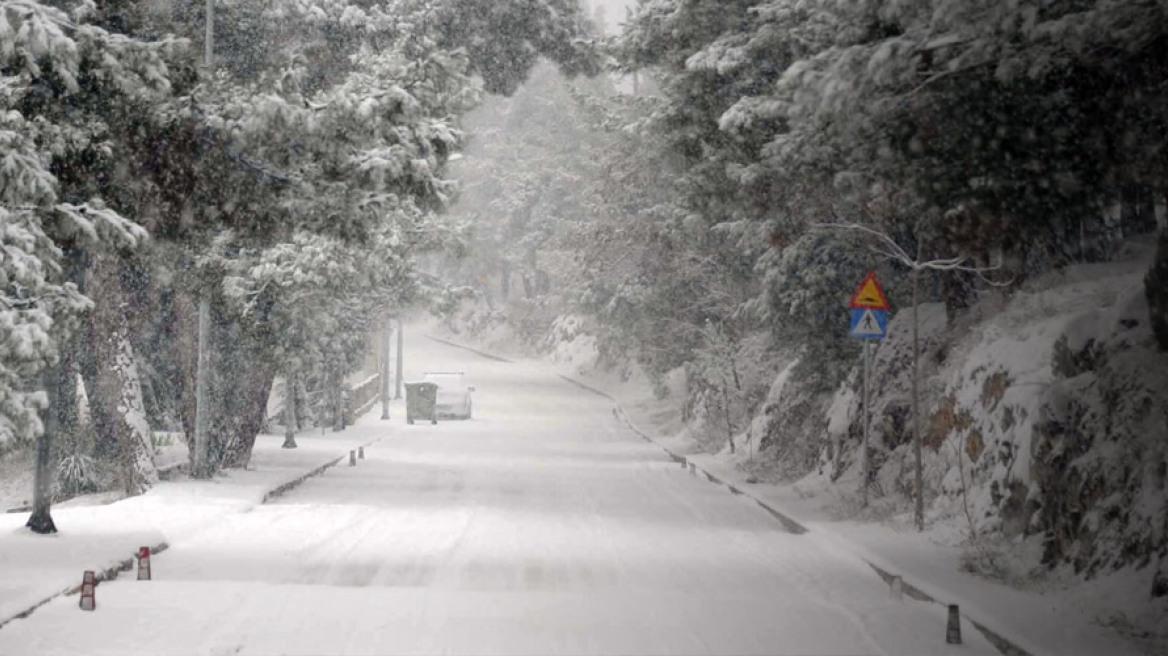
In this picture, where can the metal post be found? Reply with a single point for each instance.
(385, 348)
(398, 374)
(918, 469)
(202, 381)
(202, 420)
(864, 410)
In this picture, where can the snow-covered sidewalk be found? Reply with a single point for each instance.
(36, 568)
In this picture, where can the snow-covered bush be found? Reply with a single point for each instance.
(77, 473)
(569, 342)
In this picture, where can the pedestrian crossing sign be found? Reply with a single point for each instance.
(869, 324)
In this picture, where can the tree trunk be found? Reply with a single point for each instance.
(243, 407)
(41, 520)
(727, 410)
(61, 415)
(1156, 291)
(111, 380)
(531, 273)
(289, 410)
(139, 472)
(1137, 209)
(958, 289)
(240, 372)
(338, 401)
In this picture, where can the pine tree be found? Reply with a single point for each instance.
(59, 72)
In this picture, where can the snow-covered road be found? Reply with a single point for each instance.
(541, 526)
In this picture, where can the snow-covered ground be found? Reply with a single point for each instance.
(97, 535)
(543, 525)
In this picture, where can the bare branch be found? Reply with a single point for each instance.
(889, 249)
(942, 265)
(894, 251)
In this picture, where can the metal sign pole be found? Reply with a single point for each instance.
(864, 414)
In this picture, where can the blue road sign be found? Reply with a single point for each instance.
(868, 323)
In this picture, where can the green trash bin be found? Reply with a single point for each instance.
(421, 400)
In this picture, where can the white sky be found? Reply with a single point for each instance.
(615, 11)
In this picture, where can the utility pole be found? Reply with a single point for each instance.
(385, 344)
(202, 374)
(400, 343)
(918, 468)
(199, 468)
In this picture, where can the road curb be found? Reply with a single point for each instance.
(288, 486)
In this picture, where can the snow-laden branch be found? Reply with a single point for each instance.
(888, 248)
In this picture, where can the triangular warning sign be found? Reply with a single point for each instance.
(870, 295)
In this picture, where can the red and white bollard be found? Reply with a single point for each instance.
(144, 564)
(88, 585)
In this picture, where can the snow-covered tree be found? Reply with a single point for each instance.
(281, 152)
(59, 75)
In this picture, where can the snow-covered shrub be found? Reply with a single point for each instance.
(77, 473)
(728, 378)
(570, 343)
(791, 426)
